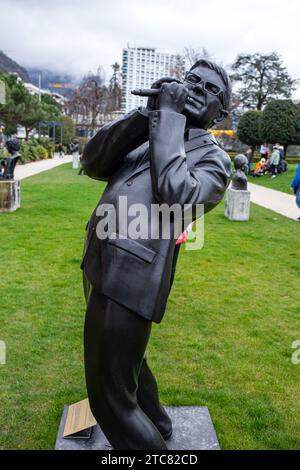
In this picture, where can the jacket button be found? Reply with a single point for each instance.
(129, 183)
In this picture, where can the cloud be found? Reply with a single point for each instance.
(75, 36)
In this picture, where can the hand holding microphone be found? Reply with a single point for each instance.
(166, 93)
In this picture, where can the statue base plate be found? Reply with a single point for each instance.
(75, 161)
(10, 195)
(192, 430)
(237, 205)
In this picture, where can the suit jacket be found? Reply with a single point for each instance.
(146, 158)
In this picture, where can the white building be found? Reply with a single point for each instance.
(141, 66)
(34, 90)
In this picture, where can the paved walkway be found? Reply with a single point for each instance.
(277, 201)
(33, 168)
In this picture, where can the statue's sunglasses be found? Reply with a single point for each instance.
(209, 87)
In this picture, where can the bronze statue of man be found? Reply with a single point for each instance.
(162, 154)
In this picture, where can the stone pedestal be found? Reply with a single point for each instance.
(237, 205)
(10, 195)
(75, 164)
(192, 430)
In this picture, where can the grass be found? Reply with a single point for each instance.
(282, 182)
(225, 341)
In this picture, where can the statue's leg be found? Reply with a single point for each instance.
(115, 342)
(87, 287)
(147, 393)
(148, 400)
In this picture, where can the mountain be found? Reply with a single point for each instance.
(32, 74)
(7, 65)
(50, 77)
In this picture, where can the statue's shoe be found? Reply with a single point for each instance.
(165, 428)
(168, 435)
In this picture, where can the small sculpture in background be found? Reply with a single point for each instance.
(237, 196)
(74, 149)
(7, 165)
(239, 179)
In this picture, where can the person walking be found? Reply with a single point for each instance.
(275, 159)
(264, 151)
(281, 151)
(295, 187)
(61, 151)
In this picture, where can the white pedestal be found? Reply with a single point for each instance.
(237, 205)
(75, 164)
(10, 195)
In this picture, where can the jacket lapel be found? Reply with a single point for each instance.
(197, 142)
(189, 145)
(143, 164)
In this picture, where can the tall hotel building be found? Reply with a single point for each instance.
(141, 66)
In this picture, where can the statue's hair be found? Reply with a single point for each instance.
(13, 145)
(222, 73)
(240, 160)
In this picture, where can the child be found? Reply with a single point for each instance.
(260, 167)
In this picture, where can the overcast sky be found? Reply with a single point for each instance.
(76, 36)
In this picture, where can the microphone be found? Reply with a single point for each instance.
(146, 92)
(151, 92)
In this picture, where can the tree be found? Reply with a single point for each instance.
(114, 90)
(89, 99)
(192, 55)
(69, 130)
(188, 58)
(263, 77)
(22, 108)
(13, 109)
(50, 107)
(32, 113)
(179, 68)
(281, 122)
(249, 129)
(37, 110)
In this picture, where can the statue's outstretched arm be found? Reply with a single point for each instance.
(105, 152)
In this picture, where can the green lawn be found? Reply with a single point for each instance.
(225, 341)
(282, 182)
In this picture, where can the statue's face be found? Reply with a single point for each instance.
(245, 168)
(241, 163)
(206, 90)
